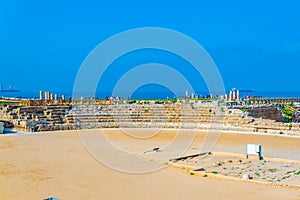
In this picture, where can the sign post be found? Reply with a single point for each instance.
(254, 149)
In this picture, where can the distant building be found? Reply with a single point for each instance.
(186, 94)
(230, 95)
(238, 94)
(41, 95)
(47, 96)
(233, 95)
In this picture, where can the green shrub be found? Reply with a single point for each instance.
(286, 111)
(291, 104)
(272, 170)
(289, 172)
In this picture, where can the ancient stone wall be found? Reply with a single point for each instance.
(271, 113)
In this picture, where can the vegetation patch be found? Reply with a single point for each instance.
(289, 172)
(257, 174)
(272, 170)
(5, 103)
(244, 110)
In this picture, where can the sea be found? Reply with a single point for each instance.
(153, 94)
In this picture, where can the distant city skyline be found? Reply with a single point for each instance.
(254, 45)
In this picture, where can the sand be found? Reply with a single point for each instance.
(280, 172)
(56, 164)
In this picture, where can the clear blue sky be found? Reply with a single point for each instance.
(255, 44)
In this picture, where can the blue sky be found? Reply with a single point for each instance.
(254, 44)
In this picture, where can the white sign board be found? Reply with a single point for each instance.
(253, 149)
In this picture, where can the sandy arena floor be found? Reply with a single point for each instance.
(56, 164)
